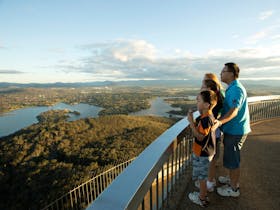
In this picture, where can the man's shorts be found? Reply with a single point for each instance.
(232, 147)
(200, 167)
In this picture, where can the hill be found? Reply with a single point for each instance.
(140, 83)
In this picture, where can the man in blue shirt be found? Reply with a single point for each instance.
(235, 122)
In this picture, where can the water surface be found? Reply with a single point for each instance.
(15, 120)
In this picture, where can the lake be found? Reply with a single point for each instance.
(13, 121)
(158, 108)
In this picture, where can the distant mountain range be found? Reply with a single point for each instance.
(141, 83)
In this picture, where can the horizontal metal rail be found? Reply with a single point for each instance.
(171, 150)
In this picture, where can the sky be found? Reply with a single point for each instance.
(99, 40)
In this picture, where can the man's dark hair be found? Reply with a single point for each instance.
(232, 67)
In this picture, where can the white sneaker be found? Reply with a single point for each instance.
(210, 185)
(194, 197)
(227, 191)
(224, 179)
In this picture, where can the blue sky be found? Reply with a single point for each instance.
(94, 40)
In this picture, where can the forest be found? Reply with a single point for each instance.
(47, 159)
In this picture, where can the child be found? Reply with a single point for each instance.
(209, 84)
(206, 100)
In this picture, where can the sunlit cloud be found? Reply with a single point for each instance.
(134, 60)
(124, 50)
(265, 14)
(180, 53)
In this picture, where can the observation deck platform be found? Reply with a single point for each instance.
(260, 174)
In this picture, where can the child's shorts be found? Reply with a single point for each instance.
(200, 167)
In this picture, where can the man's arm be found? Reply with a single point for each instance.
(227, 117)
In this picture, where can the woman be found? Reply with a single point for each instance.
(211, 82)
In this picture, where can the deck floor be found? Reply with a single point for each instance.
(260, 174)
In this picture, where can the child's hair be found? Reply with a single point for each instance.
(210, 97)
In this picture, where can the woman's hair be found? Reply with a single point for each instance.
(213, 77)
(210, 97)
(220, 98)
(211, 84)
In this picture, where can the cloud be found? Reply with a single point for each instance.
(6, 71)
(2, 46)
(256, 37)
(276, 37)
(235, 36)
(124, 50)
(134, 59)
(270, 32)
(56, 50)
(260, 78)
(265, 14)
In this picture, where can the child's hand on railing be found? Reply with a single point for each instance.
(190, 116)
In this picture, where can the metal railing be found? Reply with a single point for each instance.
(147, 182)
(264, 107)
(81, 196)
